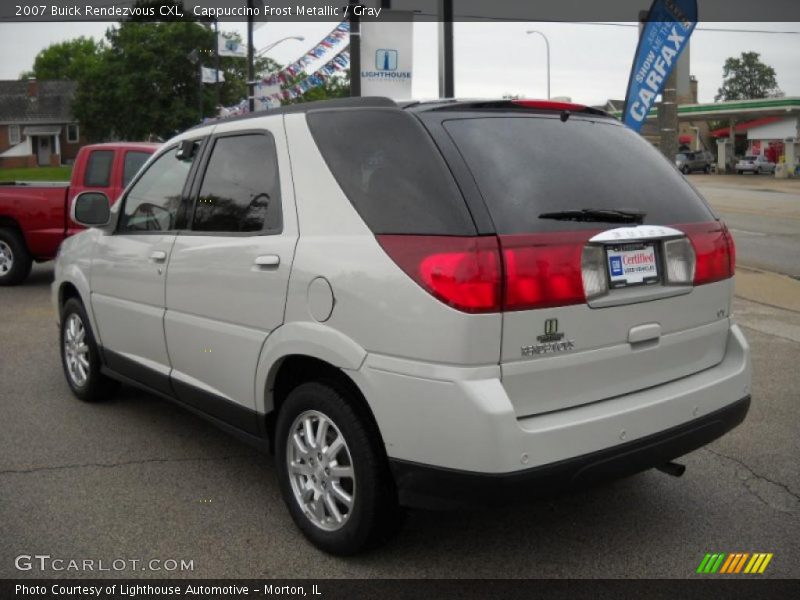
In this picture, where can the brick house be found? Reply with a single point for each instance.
(36, 123)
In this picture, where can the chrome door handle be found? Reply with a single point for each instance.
(267, 261)
(158, 256)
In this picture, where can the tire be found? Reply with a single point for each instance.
(372, 515)
(757, 171)
(15, 260)
(740, 172)
(685, 170)
(80, 356)
(707, 170)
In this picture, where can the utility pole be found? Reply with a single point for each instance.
(355, 52)
(668, 117)
(446, 78)
(217, 100)
(251, 70)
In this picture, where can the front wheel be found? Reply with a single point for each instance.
(333, 472)
(685, 170)
(707, 170)
(15, 260)
(80, 355)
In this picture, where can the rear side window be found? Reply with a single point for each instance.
(133, 162)
(389, 168)
(526, 166)
(241, 188)
(98, 168)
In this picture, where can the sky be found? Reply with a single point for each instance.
(590, 63)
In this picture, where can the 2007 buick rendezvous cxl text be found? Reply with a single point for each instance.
(421, 304)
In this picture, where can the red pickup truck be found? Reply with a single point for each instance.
(34, 217)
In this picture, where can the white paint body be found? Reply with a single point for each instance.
(446, 388)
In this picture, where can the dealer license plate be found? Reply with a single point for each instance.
(631, 264)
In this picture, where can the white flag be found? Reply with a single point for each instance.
(230, 47)
(210, 75)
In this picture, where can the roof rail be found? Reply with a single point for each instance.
(302, 107)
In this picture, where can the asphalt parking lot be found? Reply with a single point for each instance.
(138, 478)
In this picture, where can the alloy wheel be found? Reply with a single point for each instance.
(76, 350)
(320, 470)
(6, 258)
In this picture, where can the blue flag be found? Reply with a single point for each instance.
(669, 25)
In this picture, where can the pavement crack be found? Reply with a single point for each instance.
(124, 463)
(768, 494)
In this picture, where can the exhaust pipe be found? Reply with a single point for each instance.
(672, 468)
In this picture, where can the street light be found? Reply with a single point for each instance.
(266, 49)
(547, 45)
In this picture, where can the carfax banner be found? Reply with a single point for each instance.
(669, 25)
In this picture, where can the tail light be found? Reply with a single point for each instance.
(543, 269)
(715, 253)
(464, 272)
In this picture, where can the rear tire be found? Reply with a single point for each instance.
(685, 170)
(15, 260)
(340, 493)
(80, 356)
(707, 170)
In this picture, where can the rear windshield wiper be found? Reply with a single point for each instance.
(598, 215)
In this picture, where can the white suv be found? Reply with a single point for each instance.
(426, 304)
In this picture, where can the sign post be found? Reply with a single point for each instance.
(386, 57)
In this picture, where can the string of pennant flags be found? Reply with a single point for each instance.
(339, 62)
(330, 41)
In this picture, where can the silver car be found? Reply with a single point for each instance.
(418, 304)
(755, 164)
(687, 162)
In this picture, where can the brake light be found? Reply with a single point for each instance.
(543, 269)
(463, 272)
(714, 251)
(549, 105)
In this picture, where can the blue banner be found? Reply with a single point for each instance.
(669, 25)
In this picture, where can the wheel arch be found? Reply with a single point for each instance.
(299, 352)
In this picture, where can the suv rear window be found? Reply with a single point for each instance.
(526, 166)
(389, 168)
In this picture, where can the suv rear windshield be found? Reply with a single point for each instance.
(389, 168)
(527, 166)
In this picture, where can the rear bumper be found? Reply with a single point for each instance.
(426, 486)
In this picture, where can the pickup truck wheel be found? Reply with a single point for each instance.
(80, 356)
(333, 472)
(15, 260)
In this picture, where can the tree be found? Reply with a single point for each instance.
(337, 86)
(747, 77)
(142, 82)
(65, 60)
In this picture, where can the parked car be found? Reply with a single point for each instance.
(755, 164)
(688, 162)
(34, 216)
(414, 304)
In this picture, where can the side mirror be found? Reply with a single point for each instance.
(91, 209)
